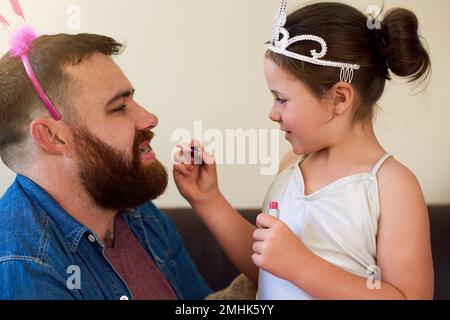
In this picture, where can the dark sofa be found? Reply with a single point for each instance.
(219, 272)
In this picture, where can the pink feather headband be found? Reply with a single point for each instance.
(21, 45)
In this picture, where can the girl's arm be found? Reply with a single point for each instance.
(404, 249)
(232, 232)
(198, 185)
(404, 245)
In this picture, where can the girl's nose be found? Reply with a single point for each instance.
(275, 116)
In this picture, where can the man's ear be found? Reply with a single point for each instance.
(51, 135)
(343, 96)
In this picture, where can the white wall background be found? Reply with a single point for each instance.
(202, 60)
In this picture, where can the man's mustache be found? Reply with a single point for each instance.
(142, 137)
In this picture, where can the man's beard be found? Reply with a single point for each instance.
(114, 181)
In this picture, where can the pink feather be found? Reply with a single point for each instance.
(17, 8)
(3, 21)
(22, 41)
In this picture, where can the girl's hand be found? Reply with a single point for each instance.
(195, 177)
(277, 248)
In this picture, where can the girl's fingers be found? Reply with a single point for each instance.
(184, 156)
(184, 148)
(256, 258)
(182, 169)
(193, 153)
(260, 234)
(177, 158)
(208, 159)
(258, 247)
(265, 221)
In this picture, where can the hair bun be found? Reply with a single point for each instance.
(401, 45)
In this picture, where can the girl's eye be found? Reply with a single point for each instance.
(121, 109)
(280, 101)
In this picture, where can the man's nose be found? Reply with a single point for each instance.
(146, 120)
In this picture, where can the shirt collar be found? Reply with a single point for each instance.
(70, 227)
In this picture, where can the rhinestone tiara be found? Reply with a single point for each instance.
(281, 41)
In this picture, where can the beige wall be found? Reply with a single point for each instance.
(202, 60)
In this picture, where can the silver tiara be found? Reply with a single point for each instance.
(281, 42)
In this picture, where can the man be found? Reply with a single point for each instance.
(78, 222)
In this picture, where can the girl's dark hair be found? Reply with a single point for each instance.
(395, 48)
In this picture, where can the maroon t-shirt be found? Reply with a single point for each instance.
(136, 267)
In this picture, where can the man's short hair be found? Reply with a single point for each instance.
(19, 103)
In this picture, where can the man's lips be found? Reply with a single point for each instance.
(149, 156)
(146, 152)
(144, 145)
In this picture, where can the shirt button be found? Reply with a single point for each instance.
(124, 298)
(91, 238)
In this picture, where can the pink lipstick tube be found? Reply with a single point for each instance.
(274, 210)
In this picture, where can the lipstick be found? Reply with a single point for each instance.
(274, 210)
(193, 155)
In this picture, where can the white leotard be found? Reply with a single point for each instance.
(339, 223)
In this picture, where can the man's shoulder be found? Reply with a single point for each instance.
(20, 226)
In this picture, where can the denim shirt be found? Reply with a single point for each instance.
(45, 254)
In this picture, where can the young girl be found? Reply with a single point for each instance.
(353, 221)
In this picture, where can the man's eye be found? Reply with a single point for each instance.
(121, 109)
